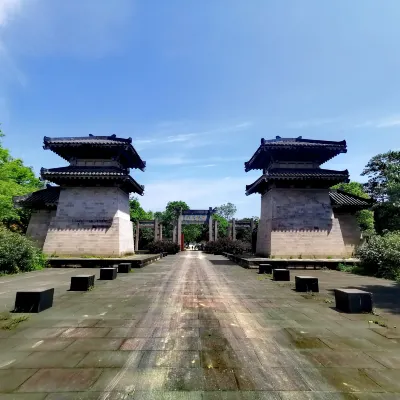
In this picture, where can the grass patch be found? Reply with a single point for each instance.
(381, 323)
(288, 284)
(353, 269)
(8, 321)
(317, 296)
(264, 276)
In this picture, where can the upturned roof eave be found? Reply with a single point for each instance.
(59, 178)
(102, 141)
(339, 177)
(268, 146)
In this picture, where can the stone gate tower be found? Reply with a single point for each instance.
(92, 205)
(300, 215)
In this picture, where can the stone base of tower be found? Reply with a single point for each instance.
(91, 221)
(301, 223)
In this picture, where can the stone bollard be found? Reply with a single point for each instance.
(124, 268)
(306, 284)
(353, 300)
(265, 269)
(281, 275)
(81, 283)
(34, 300)
(108, 274)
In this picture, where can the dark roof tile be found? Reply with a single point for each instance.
(45, 198)
(340, 198)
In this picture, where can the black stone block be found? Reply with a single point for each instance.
(124, 268)
(265, 269)
(108, 274)
(306, 284)
(353, 300)
(81, 283)
(281, 275)
(34, 301)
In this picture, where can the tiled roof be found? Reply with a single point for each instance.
(45, 198)
(297, 174)
(59, 175)
(340, 198)
(318, 173)
(294, 149)
(91, 139)
(76, 171)
(300, 142)
(96, 147)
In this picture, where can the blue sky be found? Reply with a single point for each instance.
(196, 84)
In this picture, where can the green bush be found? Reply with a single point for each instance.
(380, 255)
(18, 253)
(161, 246)
(226, 245)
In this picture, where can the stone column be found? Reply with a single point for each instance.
(230, 230)
(174, 239)
(216, 230)
(179, 230)
(137, 236)
(160, 227)
(252, 225)
(210, 228)
(233, 229)
(156, 233)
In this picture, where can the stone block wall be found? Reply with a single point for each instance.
(91, 221)
(301, 223)
(38, 225)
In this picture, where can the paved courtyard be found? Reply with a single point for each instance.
(196, 326)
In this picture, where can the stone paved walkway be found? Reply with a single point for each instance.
(195, 327)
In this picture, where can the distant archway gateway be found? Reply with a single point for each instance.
(198, 217)
(242, 223)
(150, 224)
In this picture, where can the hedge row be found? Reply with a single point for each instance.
(161, 246)
(18, 253)
(380, 255)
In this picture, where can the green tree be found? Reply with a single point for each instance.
(383, 175)
(15, 180)
(192, 233)
(383, 172)
(137, 213)
(173, 210)
(171, 214)
(227, 211)
(223, 225)
(365, 218)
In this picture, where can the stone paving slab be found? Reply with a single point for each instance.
(187, 328)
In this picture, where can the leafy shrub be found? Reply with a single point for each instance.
(18, 253)
(226, 245)
(354, 268)
(380, 255)
(161, 246)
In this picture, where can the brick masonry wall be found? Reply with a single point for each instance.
(38, 225)
(301, 222)
(91, 221)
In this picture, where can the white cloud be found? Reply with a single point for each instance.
(201, 194)
(311, 123)
(182, 160)
(8, 9)
(180, 138)
(389, 122)
(83, 28)
(189, 140)
(380, 123)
